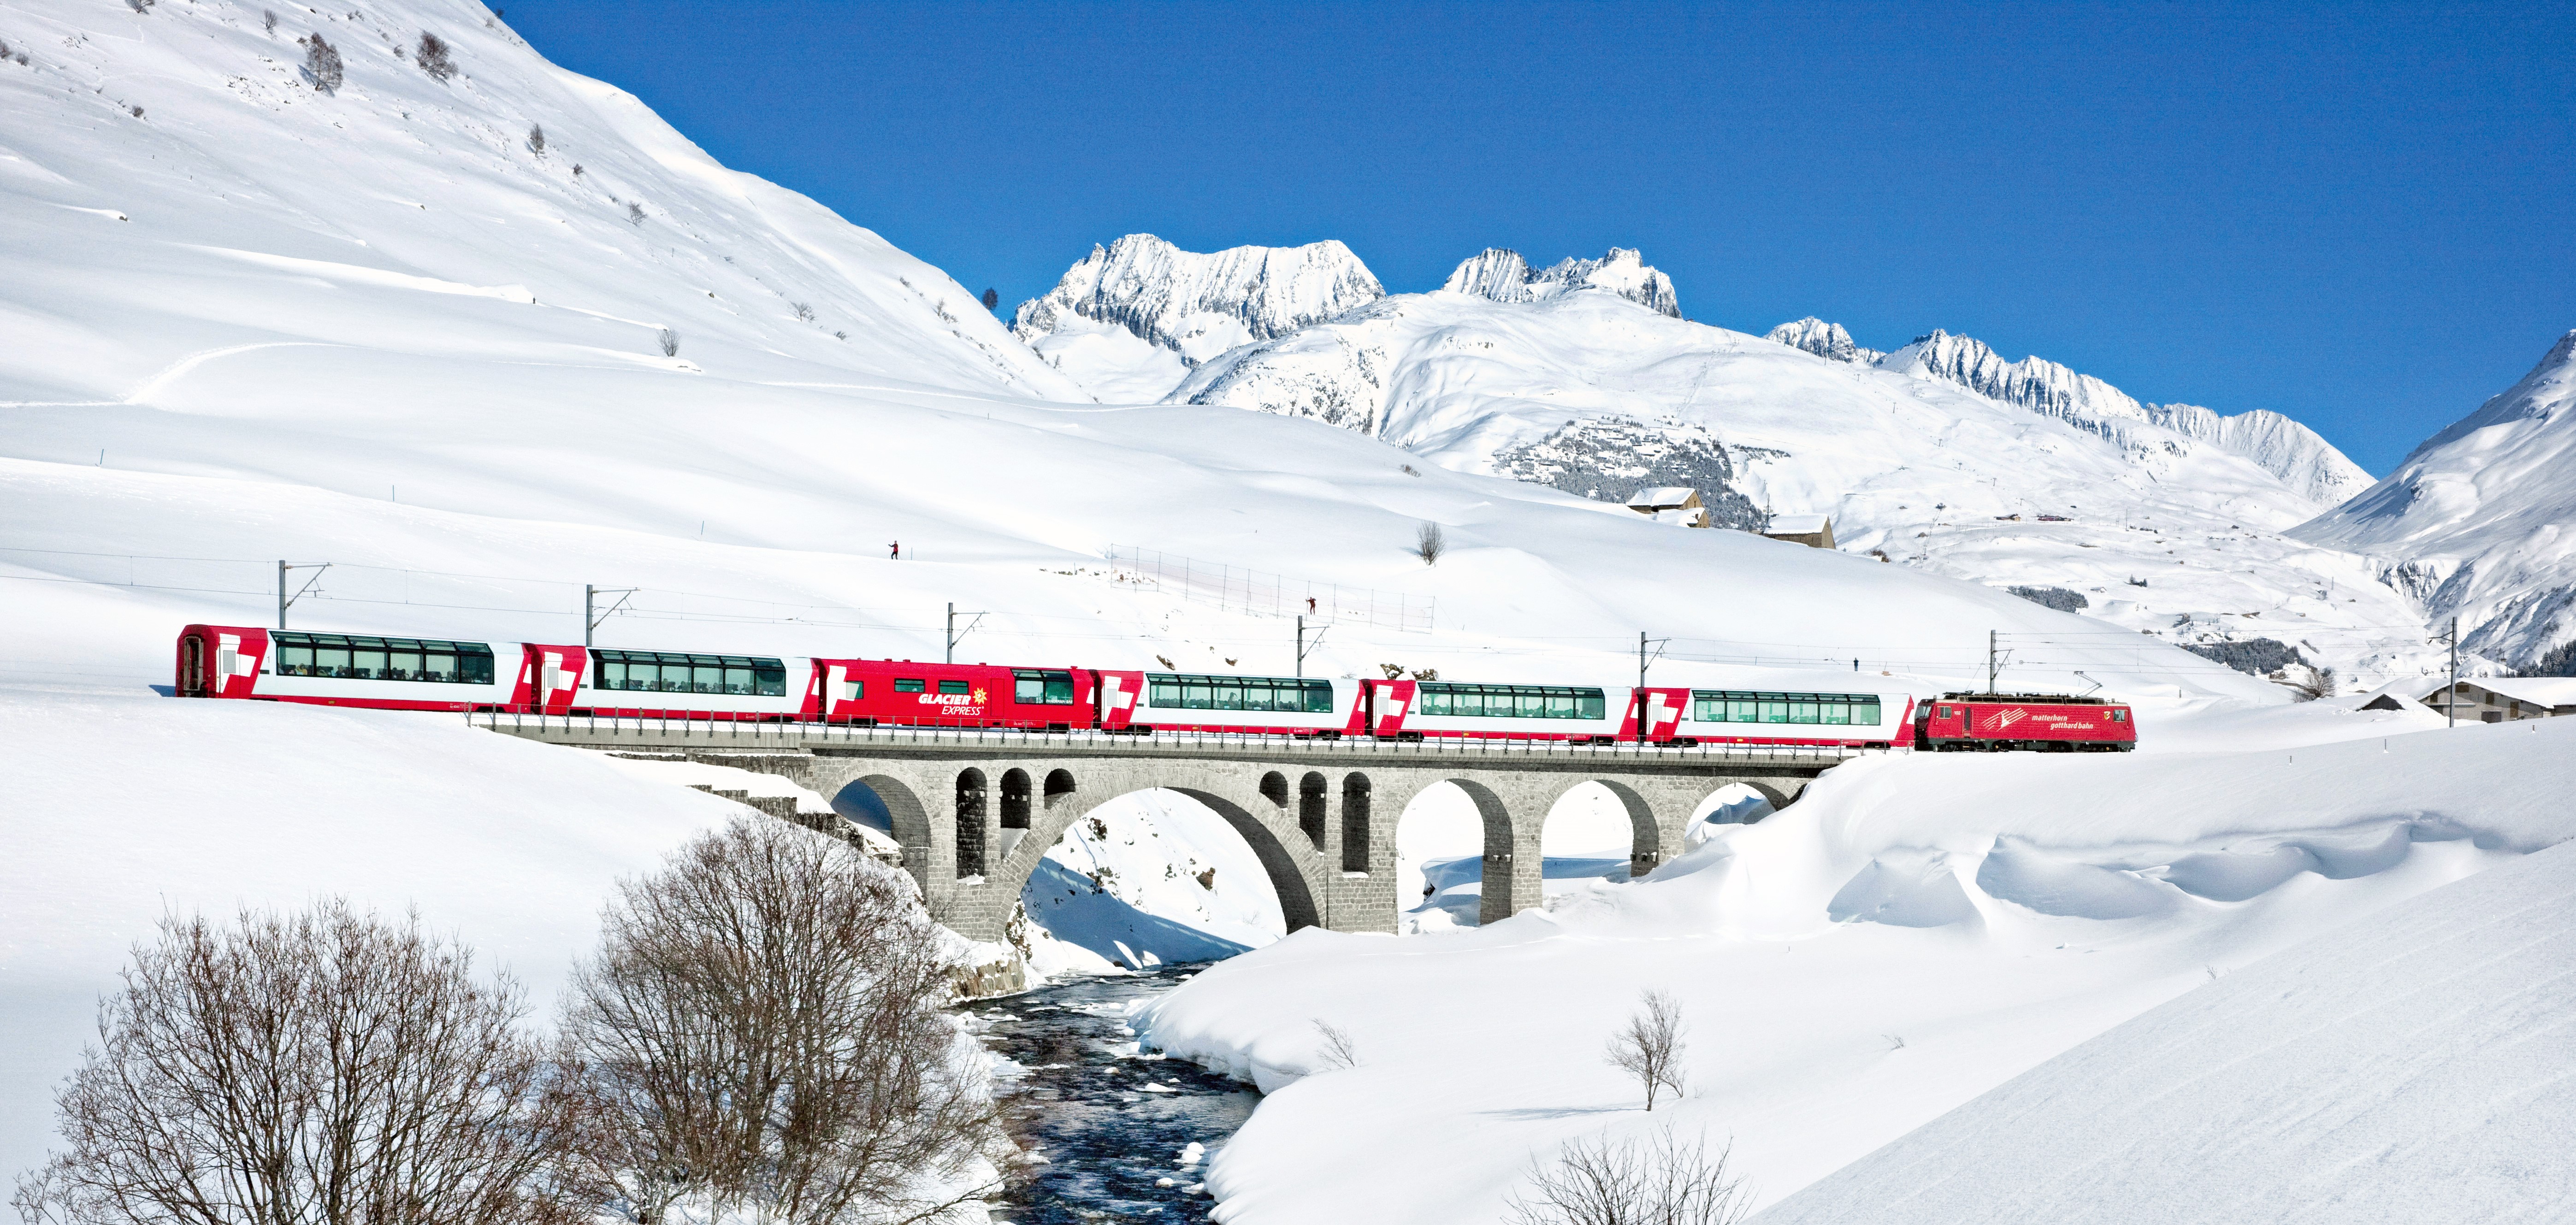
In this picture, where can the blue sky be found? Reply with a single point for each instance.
(2362, 217)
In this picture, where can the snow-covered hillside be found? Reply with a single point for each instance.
(1911, 934)
(2480, 517)
(2412, 1066)
(2154, 530)
(1182, 308)
(179, 199)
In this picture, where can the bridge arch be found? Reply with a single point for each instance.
(1645, 835)
(1267, 827)
(906, 817)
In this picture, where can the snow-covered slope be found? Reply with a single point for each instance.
(2483, 515)
(2412, 1066)
(1587, 392)
(175, 197)
(1911, 934)
(1184, 304)
(1504, 276)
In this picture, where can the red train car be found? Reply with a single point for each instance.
(2042, 722)
(894, 692)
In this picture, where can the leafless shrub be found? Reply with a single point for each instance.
(763, 1028)
(992, 297)
(576, 170)
(1650, 1048)
(1658, 1180)
(670, 342)
(537, 139)
(1339, 1051)
(804, 313)
(315, 1066)
(1393, 671)
(268, 20)
(138, 112)
(433, 57)
(141, 6)
(1429, 543)
(635, 211)
(322, 64)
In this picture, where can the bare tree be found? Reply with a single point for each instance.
(322, 63)
(321, 1066)
(1650, 1048)
(1428, 543)
(1339, 1050)
(992, 297)
(670, 342)
(1658, 1180)
(537, 139)
(635, 211)
(804, 312)
(763, 1028)
(433, 57)
(268, 20)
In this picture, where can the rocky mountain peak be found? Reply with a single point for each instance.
(1198, 305)
(1506, 277)
(1825, 340)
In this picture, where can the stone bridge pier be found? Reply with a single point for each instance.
(973, 825)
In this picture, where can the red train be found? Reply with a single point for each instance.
(2044, 722)
(220, 661)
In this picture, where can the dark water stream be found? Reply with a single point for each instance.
(1115, 1148)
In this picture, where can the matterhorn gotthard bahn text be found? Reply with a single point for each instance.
(1307, 715)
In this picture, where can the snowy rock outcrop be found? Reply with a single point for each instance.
(2483, 509)
(2305, 462)
(1825, 340)
(1192, 305)
(1505, 277)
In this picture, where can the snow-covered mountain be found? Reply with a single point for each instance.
(2483, 518)
(1505, 277)
(1183, 306)
(2307, 463)
(2151, 528)
(1825, 340)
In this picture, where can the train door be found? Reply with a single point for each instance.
(192, 666)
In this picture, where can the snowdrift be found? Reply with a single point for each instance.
(1911, 934)
(2409, 1067)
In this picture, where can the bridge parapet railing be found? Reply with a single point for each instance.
(752, 735)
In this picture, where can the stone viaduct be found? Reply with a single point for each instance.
(975, 810)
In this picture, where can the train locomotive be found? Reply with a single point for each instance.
(217, 661)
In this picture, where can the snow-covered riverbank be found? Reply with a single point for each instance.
(1911, 934)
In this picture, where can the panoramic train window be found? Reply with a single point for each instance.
(1032, 687)
(1511, 701)
(1829, 709)
(1249, 693)
(664, 672)
(907, 686)
(348, 657)
(956, 687)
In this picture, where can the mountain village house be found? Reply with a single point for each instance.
(1670, 504)
(1813, 531)
(2500, 699)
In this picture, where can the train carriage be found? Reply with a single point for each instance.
(233, 661)
(1265, 705)
(1413, 710)
(901, 693)
(1797, 716)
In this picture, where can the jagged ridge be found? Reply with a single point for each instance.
(1200, 305)
(1504, 276)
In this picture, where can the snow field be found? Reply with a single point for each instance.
(2410, 1067)
(1911, 934)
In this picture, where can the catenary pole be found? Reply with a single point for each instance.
(2452, 707)
(952, 632)
(281, 593)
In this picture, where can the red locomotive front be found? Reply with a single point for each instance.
(1998, 722)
